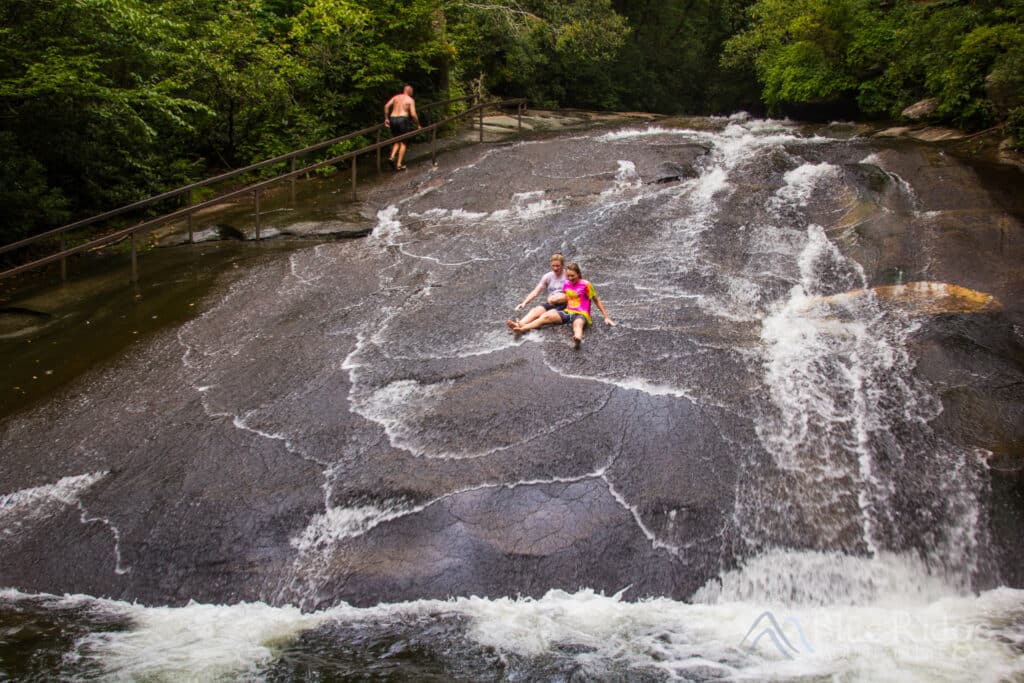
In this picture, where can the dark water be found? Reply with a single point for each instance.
(50, 333)
(346, 466)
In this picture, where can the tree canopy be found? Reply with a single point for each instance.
(874, 59)
(103, 102)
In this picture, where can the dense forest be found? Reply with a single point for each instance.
(103, 102)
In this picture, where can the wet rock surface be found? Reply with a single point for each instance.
(352, 421)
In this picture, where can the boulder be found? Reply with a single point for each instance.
(1009, 154)
(896, 132)
(925, 134)
(921, 110)
(936, 134)
(1004, 87)
(670, 171)
(919, 298)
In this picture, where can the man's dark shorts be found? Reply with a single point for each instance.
(400, 125)
(554, 307)
(567, 317)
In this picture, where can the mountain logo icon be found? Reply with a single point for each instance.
(771, 628)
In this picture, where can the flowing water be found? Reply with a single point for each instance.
(347, 467)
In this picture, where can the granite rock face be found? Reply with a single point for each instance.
(353, 421)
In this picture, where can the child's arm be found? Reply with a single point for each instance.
(529, 297)
(607, 320)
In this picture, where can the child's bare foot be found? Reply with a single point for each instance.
(512, 324)
(576, 341)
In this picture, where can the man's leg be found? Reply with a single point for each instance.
(401, 154)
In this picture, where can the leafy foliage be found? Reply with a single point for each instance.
(87, 89)
(103, 102)
(969, 56)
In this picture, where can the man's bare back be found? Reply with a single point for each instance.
(402, 104)
(398, 111)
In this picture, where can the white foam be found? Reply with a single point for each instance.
(482, 344)
(535, 210)
(802, 350)
(633, 134)
(841, 381)
(809, 579)
(399, 407)
(634, 512)
(930, 637)
(527, 197)
(876, 159)
(198, 642)
(32, 505)
(525, 206)
(452, 216)
(801, 182)
(824, 269)
(339, 523)
(626, 178)
(936, 641)
(708, 186)
(387, 228)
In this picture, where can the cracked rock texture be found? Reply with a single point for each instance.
(352, 421)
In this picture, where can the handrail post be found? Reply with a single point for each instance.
(378, 152)
(256, 203)
(519, 118)
(481, 110)
(433, 146)
(354, 165)
(191, 233)
(292, 180)
(63, 261)
(135, 260)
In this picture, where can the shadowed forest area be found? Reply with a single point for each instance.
(103, 102)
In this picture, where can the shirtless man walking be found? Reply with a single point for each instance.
(402, 115)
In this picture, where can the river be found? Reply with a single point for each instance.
(795, 456)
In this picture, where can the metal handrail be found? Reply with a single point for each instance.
(253, 188)
(142, 203)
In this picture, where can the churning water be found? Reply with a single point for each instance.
(348, 467)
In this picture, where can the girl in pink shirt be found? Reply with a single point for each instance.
(579, 294)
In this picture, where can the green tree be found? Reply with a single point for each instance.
(87, 91)
(799, 49)
(555, 53)
(670, 62)
(246, 75)
(969, 56)
(359, 51)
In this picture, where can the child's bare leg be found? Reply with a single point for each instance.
(578, 324)
(548, 318)
(532, 314)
